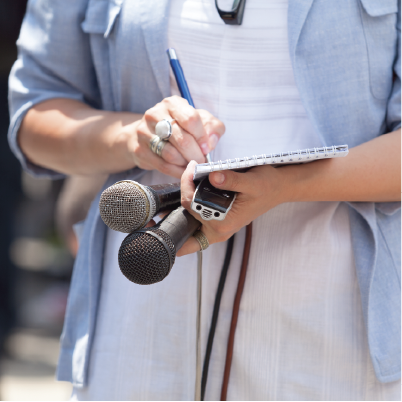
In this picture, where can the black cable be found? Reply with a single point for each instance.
(215, 314)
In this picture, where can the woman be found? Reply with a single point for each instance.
(90, 84)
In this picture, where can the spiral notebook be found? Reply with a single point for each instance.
(273, 159)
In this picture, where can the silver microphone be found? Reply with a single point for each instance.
(128, 205)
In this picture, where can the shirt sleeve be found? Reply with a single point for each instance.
(394, 103)
(54, 61)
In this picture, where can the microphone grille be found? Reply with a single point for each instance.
(143, 259)
(124, 207)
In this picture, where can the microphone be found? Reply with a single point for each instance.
(127, 205)
(147, 255)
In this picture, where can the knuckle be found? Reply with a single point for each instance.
(171, 101)
(217, 126)
(184, 142)
(186, 201)
(177, 101)
(204, 114)
(166, 104)
(211, 121)
(192, 118)
(149, 114)
(142, 128)
(221, 128)
(176, 98)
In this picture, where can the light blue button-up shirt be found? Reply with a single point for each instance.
(111, 55)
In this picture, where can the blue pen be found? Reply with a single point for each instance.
(181, 81)
(179, 75)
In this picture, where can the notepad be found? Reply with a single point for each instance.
(273, 159)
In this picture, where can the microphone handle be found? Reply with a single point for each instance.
(179, 225)
(167, 196)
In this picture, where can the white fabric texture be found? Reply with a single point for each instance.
(300, 334)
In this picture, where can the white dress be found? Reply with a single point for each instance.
(300, 333)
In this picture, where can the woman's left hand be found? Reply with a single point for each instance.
(258, 190)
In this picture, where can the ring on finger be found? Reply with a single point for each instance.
(157, 145)
(164, 129)
(202, 240)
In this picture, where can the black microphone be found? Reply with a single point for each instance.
(147, 255)
(127, 205)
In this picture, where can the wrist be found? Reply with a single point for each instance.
(308, 181)
(124, 145)
(289, 190)
(107, 137)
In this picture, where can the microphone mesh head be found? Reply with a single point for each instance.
(143, 259)
(124, 207)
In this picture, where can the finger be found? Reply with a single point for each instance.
(149, 161)
(186, 144)
(247, 182)
(171, 155)
(189, 119)
(214, 128)
(146, 159)
(189, 247)
(187, 186)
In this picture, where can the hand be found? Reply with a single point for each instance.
(259, 190)
(71, 137)
(194, 134)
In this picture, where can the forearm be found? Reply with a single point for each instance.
(71, 137)
(371, 172)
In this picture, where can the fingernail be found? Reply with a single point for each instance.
(205, 148)
(213, 140)
(219, 178)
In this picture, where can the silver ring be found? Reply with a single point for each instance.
(164, 129)
(157, 145)
(202, 240)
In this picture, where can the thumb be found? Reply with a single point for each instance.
(229, 180)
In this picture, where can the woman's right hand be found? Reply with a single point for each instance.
(194, 134)
(70, 137)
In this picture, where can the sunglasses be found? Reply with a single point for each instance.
(234, 16)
